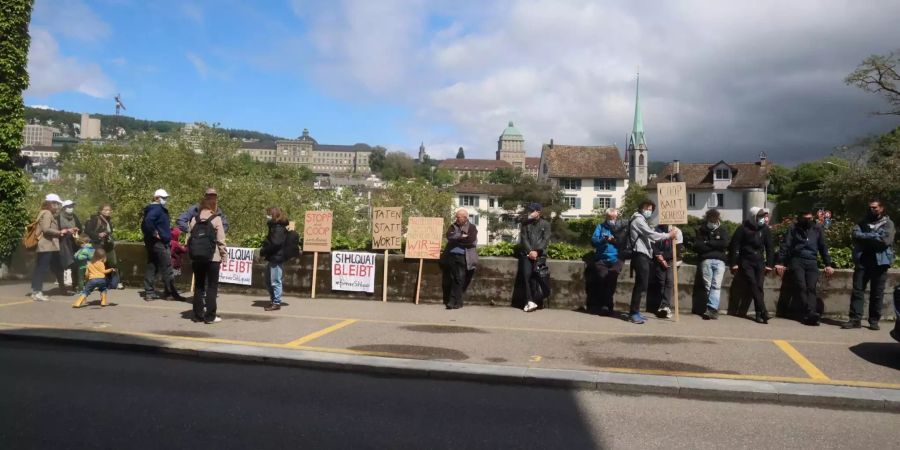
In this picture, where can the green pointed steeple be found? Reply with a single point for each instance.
(637, 132)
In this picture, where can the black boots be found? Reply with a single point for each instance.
(172, 291)
(762, 318)
(852, 323)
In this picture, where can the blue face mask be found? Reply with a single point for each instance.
(761, 221)
(647, 214)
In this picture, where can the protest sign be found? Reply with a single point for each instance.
(353, 271)
(672, 199)
(423, 237)
(317, 231)
(387, 229)
(238, 268)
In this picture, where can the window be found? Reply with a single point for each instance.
(641, 160)
(571, 184)
(468, 200)
(723, 174)
(692, 200)
(720, 200)
(573, 202)
(604, 202)
(474, 219)
(492, 202)
(604, 184)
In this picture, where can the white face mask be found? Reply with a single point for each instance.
(268, 217)
(761, 221)
(162, 201)
(69, 210)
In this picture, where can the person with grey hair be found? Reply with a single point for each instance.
(607, 240)
(460, 259)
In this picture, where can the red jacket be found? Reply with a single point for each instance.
(176, 249)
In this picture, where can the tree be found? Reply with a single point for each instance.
(460, 154)
(799, 188)
(878, 74)
(376, 159)
(856, 181)
(15, 16)
(634, 196)
(398, 165)
(505, 175)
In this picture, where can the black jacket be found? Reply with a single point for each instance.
(664, 247)
(94, 227)
(712, 244)
(804, 244)
(273, 247)
(749, 242)
(534, 236)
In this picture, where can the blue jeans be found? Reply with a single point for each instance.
(274, 279)
(712, 271)
(95, 284)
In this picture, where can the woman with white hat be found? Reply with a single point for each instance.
(67, 244)
(48, 247)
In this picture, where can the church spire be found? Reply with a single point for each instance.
(637, 131)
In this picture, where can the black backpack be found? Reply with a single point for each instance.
(202, 242)
(626, 249)
(291, 247)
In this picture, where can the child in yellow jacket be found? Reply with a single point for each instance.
(96, 279)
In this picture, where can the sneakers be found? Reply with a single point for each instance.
(216, 320)
(120, 286)
(850, 324)
(148, 296)
(636, 318)
(39, 296)
(273, 307)
(531, 306)
(710, 314)
(664, 313)
(874, 326)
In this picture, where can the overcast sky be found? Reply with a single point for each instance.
(719, 80)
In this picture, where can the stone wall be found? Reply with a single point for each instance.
(494, 284)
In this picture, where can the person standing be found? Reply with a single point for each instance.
(607, 264)
(100, 228)
(663, 270)
(642, 237)
(47, 248)
(534, 235)
(176, 254)
(68, 244)
(460, 259)
(802, 244)
(273, 249)
(206, 246)
(184, 219)
(711, 245)
(157, 235)
(752, 254)
(873, 254)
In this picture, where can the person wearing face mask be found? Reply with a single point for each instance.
(751, 253)
(802, 244)
(68, 244)
(459, 260)
(100, 229)
(711, 245)
(534, 235)
(157, 232)
(873, 253)
(47, 247)
(607, 240)
(642, 238)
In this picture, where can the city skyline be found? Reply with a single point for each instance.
(397, 73)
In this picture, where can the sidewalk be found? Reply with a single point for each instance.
(732, 358)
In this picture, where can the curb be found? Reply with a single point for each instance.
(795, 394)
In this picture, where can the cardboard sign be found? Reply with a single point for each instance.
(387, 228)
(353, 271)
(423, 237)
(672, 199)
(317, 231)
(238, 269)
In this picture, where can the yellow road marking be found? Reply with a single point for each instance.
(16, 303)
(801, 360)
(535, 358)
(728, 376)
(320, 333)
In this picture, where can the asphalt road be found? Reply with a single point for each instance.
(70, 397)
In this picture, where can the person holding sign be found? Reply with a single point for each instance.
(206, 246)
(642, 237)
(534, 235)
(275, 250)
(663, 272)
(460, 259)
(802, 244)
(752, 254)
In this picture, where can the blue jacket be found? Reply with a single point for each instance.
(185, 218)
(605, 251)
(156, 222)
(874, 240)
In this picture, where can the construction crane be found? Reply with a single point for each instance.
(119, 107)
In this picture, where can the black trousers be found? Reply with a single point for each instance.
(206, 287)
(663, 280)
(158, 263)
(536, 287)
(754, 271)
(862, 276)
(607, 280)
(805, 273)
(640, 264)
(456, 279)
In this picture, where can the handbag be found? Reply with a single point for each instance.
(541, 268)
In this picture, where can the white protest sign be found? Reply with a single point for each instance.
(238, 269)
(353, 271)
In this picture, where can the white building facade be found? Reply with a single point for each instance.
(592, 178)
